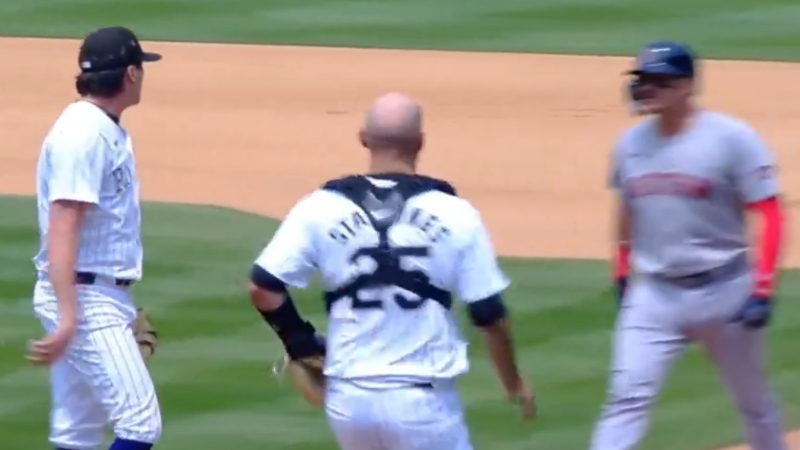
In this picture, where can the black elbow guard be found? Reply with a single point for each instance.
(265, 280)
(487, 311)
(285, 319)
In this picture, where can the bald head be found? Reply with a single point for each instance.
(393, 122)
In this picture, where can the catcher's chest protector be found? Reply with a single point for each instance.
(383, 207)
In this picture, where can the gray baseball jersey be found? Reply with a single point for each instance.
(687, 193)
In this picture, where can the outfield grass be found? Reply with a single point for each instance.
(753, 29)
(212, 368)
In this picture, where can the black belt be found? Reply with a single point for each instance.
(91, 278)
(422, 385)
(726, 272)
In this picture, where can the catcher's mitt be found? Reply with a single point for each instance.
(306, 374)
(145, 334)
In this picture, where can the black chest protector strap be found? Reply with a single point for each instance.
(383, 207)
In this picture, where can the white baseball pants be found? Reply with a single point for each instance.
(102, 378)
(408, 418)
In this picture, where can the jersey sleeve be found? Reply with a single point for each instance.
(478, 273)
(753, 167)
(290, 255)
(75, 167)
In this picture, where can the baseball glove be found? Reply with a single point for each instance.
(305, 373)
(145, 334)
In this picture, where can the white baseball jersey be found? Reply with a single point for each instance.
(88, 157)
(388, 335)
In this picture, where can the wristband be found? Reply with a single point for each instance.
(622, 266)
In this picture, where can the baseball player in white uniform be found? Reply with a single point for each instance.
(91, 254)
(391, 247)
(685, 179)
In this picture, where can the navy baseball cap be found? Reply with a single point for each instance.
(112, 48)
(668, 58)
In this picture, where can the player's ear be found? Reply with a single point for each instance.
(362, 137)
(692, 86)
(132, 73)
(414, 145)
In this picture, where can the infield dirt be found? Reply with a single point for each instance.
(525, 137)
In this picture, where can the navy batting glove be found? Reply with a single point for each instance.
(621, 287)
(756, 312)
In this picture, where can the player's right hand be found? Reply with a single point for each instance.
(525, 398)
(50, 348)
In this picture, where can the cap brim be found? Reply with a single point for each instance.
(639, 72)
(151, 57)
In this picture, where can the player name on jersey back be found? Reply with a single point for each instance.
(388, 294)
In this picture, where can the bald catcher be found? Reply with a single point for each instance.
(393, 248)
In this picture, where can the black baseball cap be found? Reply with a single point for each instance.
(112, 48)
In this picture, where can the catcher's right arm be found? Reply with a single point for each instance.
(304, 347)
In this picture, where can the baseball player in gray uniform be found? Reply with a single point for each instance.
(685, 178)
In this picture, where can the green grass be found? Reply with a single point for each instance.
(212, 368)
(751, 29)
